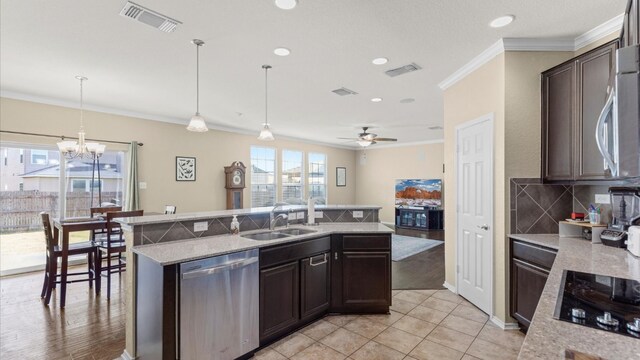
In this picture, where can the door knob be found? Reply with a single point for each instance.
(483, 227)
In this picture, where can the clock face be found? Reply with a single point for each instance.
(237, 178)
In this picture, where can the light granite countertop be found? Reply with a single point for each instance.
(193, 249)
(152, 219)
(547, 337)
(548, 240)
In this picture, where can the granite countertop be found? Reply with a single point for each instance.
(152, 219)
(547, 240)
(193, 249)
(547, 337)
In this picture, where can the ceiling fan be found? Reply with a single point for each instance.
(365, 138)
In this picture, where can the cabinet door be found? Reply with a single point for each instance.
(527, 283)
(315, 285)
(366, 279)
(558, 95)
(279, 300)
(593, 71)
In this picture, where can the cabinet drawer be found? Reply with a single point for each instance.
(283, 253)
(533, 254)
(366, 242)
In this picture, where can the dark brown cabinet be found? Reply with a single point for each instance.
(279, 299)
(315, 285)
(573, 94)
(361, 276)
(530, 265)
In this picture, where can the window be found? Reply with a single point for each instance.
(318, 177)
(39, 157)
(78, 185)
(263, 176)
(292, 176)
(6, 156)
(21, 156)
(21, 187)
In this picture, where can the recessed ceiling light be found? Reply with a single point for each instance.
(282, 51)
(380, 61)
(502, 21)
(376, 99)
(286, 4)
(407, 100)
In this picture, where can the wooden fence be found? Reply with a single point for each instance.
(20, 209)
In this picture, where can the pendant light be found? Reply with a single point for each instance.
(265, 133)
(80, 149)
(197, 123)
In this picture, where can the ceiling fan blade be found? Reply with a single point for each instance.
(342, 138)
(386, 139)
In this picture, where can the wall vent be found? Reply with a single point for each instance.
(403, 70)
(344, 92)
(161, 22)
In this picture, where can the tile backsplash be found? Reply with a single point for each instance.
(537, 208)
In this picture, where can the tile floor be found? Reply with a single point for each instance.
(423, 325)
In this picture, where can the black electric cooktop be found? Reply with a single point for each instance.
(601, 302)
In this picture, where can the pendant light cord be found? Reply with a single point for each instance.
(266, 92)
(81, 105)
(197, 79)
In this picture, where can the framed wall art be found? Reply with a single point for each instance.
(185, 168)
(341, 176)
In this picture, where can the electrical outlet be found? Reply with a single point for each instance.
(319, 214)
(603, 199)
(300, 215)
(200, 226)
(142, 185)
(357, 215)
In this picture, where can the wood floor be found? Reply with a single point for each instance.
(89, 327)
(421, 271)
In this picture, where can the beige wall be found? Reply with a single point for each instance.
(375, 183)
(162, 143)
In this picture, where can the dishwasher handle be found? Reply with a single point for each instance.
(219, 269)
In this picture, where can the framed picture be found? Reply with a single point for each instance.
(341, 176)
(185, 168)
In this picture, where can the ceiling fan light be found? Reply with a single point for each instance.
(286, 4)
(364, 143)
(266, 134)
(197, 124)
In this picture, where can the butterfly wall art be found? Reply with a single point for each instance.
(185, 168)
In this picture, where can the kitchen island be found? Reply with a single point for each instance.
(548, 338)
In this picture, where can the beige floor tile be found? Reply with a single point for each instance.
(292, 344)
(318, 351)
(463, 325)
(340, 320)
(471, 313)
(426, 292)
(268, 354)
(451, 338)
(401, 306)
(344, 341)
(398, 340)
(489, 351)
(414, 326)
(386, 319)
(319, 329)
(395, 292)
(374, 351)
(469, 357)
(426, 314)
(365, 327)
(439, 304)
(411, 296)
(510, 338)
(428, 350)
(448, 295)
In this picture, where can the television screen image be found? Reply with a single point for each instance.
(419, 192)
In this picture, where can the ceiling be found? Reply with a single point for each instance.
(139, 69)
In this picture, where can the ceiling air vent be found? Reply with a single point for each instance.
(403, 70)
(344, 92)
(136, 12)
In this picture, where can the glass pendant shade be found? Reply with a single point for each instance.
(197, 124)
(266, 134)
(364, 143)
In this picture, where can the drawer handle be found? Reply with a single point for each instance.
(324, 261)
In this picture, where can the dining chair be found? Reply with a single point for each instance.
(101, 210)
(169, 209)
(112, 246)
(54, 252)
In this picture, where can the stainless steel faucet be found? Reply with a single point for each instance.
(273, 220)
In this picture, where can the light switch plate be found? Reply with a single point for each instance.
(319, 214)
(357, 215)
(300, 215)
(603, 199)
(142, 185)
(200, 226)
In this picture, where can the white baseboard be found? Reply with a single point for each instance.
(125, 356)
(450, 287)
(504, 326)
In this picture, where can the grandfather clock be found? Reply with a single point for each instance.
(234, 183)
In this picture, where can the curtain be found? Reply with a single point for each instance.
(132, 193)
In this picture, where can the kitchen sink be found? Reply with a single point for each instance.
(295, 232)
(270, 235)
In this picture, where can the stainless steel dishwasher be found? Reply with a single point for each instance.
(219, 305)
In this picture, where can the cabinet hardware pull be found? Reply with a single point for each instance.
(320, 263)
(335, 255)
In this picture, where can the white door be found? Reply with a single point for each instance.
(474, 142)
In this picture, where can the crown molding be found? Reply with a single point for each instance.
(415, 143)
(534, 44)
(152, 117)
